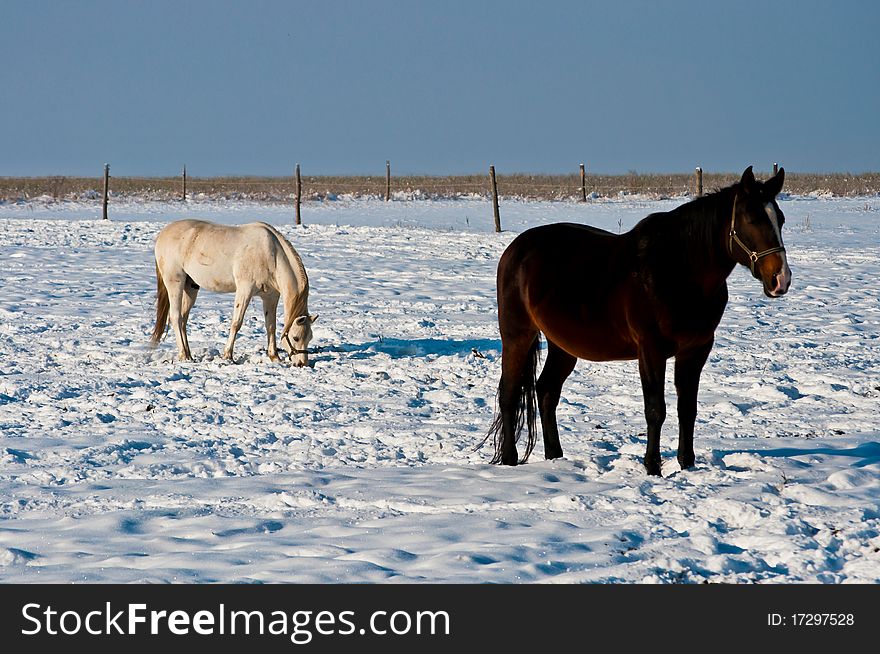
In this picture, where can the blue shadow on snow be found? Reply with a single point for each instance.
(400, 348)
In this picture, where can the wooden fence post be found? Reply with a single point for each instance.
(699, 172)
(387, 180)
(583, 183)
(106, 189)
(495, 210)
(298, 195)
(184, 183)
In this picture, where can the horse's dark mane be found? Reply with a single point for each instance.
(692, 231)
(710, 200)
(703, 216)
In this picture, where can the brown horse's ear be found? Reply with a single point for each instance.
(747, 183)
(773, 185)
(313, 319)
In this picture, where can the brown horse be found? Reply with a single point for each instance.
(655, 292)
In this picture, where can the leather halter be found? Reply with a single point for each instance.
(734, 238)
(293, 350)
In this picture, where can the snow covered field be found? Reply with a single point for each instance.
(119, 464)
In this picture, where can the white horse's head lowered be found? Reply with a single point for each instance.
(296, 339)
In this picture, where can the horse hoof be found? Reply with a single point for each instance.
(653, 468)
(686, 462)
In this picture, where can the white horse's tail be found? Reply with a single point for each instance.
(162, 307)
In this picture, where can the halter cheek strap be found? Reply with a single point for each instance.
(293, 350)
(734, 238)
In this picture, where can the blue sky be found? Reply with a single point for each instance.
(439, 87)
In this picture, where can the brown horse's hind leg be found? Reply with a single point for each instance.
(516, 396)
(652, 369)
(557, 368)
(688, 366)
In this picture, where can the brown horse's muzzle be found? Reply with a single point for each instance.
(775, 275)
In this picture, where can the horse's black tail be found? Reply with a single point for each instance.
(162, 308)
(526, 407)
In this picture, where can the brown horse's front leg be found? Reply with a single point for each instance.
(652, 369)
(688, 366)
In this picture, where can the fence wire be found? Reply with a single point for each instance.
(283, 189)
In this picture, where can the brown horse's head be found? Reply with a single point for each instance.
(755, 238)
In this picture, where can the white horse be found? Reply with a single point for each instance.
(247, 260)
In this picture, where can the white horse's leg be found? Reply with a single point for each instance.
(187, 301)
(270, 307)
(176, 293)
(243, 295)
